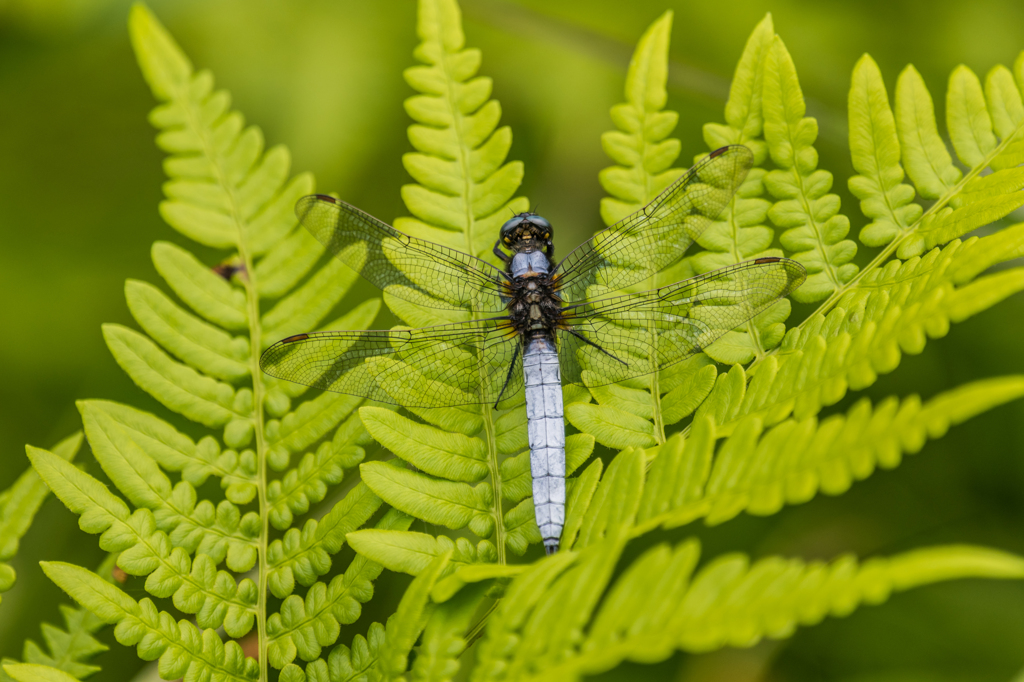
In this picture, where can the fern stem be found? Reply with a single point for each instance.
(248, 279)
(659, 420)
(467, 197)
(737, 256)
(255, 340)
(495, 470)
(830, 268)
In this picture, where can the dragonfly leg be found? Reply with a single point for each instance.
(591, 343)
(511, 368)
(505, 258)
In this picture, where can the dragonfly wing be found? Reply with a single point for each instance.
(441, 366)
(413, 269)
(655, 237)
(621, 337)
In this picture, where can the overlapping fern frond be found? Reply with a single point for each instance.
(469, 461)
(661, 604)
(869, 318)
(198, 356)
(776, 451)
(18, 507)
(65, 649)
(757, 438)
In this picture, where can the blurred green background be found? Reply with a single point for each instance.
(80, 181)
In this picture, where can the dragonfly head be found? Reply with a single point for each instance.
(526, 232)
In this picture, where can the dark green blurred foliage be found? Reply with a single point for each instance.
(80, 182)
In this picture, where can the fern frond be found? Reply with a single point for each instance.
(183, 649)
(659, 605)
(641, 145)
(198, 356)
(893, 311)
(804, 208)
(67, 649)
(464, 193)
(875, 150)
(19, 504)
(33, 672)
(740, 233)
(637, 414)
(758, 470)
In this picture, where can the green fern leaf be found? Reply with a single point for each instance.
(464, 193)
(892, 310)
(303, 627)
(970, 127)
(659, 605)
(740, 233)
(641, 145)
(304, 556)
(875, 149)
(19, 504)
(33, 672)
(68, 649)
(407, 552)
(814, 229)
(224, 192)
(759, 470)
(635, 415)
(928, 162)
(181, 647)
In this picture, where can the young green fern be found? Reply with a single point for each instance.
(660, 603)
(776, 450)
(18, 507)
(227, 193)
(68, 649)
(470, 460)
(636, 413)
(576, 612)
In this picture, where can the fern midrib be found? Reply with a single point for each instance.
(255, 343)
(879, 164)
(493, 463)
(737, 256)
(812, 221)
(657, 419)
(314, 615)
(248, 279)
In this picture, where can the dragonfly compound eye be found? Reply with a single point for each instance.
(510, 225)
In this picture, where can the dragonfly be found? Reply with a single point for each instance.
(538, 322)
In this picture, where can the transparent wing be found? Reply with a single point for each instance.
(618, 338)
(442, 366)
(656, 236)
(412, 269)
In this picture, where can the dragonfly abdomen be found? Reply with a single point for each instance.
(546, 427)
